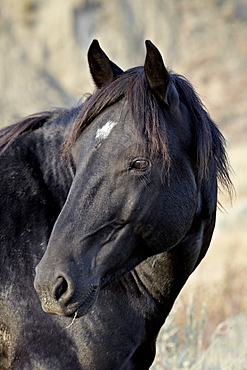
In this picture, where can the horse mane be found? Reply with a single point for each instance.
(29, 123)
(133, 86)
(211, 144)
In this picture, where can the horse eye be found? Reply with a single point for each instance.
(140, 164)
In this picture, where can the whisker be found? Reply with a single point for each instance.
(73, 320)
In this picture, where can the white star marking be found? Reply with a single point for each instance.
(103, 132)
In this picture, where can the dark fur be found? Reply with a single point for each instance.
(120, 329)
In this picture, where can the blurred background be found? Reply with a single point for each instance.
(43, 64)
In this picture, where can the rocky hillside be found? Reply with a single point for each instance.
(44, 43)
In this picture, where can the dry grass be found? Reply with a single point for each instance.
(207, 328)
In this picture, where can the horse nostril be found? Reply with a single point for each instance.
(60, 288)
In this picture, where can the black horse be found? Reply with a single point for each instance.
(117, 199)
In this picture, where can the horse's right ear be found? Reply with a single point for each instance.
(156, 73)
(102, 69)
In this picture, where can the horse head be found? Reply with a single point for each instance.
(136, 185)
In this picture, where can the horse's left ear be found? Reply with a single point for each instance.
(102, 69)
(156, 73)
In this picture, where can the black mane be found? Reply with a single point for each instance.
(210, 142)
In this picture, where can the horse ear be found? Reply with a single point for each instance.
(156, 73)
(102, 69)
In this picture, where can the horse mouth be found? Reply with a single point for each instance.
(87, 303)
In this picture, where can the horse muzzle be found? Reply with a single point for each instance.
(60, 297)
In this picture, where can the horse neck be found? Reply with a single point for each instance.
(33, 189)
(37, 153)
(57, 173)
